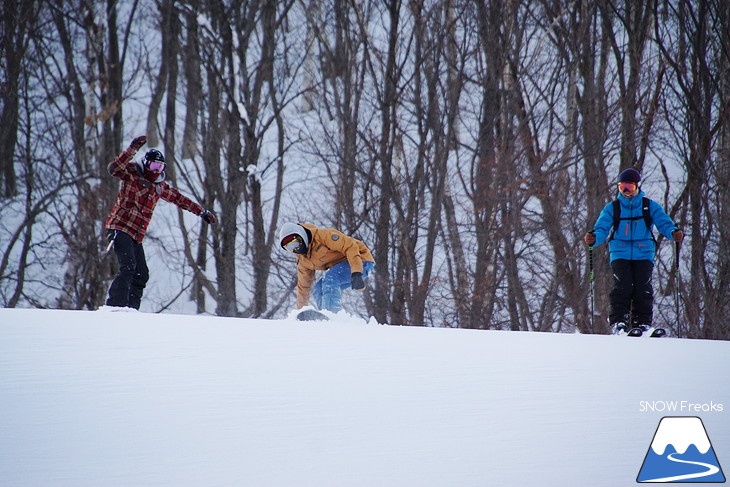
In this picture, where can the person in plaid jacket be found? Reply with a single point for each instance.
(143, 184)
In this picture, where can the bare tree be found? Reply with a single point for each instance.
(19, 19)
(470, 144)
(92, 126)
(241, 106)
(438, 82)
(720, 295)
(691, 38)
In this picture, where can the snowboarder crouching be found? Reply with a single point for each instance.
(348, 263)
(142, 186)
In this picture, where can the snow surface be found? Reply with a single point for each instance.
(138, 399)
(689, 430)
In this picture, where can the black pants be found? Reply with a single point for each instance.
(632, 292)
(127, 288)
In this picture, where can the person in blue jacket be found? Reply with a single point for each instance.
(631, 247)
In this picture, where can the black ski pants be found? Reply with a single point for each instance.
(127, 288)
(632, 292)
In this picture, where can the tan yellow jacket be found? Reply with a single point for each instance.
(327, 248)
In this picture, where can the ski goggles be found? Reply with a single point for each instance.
(155, 166)
(627, 187)
(292, 243)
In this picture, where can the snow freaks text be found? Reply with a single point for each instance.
(680, 407)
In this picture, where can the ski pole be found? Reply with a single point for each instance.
(677, 292)
(592, 285)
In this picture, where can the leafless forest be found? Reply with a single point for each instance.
(469, 143)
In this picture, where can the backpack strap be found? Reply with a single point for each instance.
(645, 212)
(616, 219)
(645, 215)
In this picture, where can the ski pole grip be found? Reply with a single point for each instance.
(590, 238)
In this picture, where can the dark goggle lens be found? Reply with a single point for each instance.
(292, 243)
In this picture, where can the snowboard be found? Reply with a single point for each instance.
(116, 309)
(312, 315)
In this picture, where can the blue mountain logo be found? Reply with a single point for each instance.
(681, 452)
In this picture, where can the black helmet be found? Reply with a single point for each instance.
(154, 155)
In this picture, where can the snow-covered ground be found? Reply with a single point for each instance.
(137, 399)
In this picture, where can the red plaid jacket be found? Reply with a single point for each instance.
(138, 196)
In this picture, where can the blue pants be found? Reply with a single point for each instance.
(327, 291)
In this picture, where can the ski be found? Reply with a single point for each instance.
(655, 332)
(658, 333)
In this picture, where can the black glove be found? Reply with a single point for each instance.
(678, 235)
(208, 217)
(358, 284)
(589, 238)
(138, 142)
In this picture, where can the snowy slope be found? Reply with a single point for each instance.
(136, 399)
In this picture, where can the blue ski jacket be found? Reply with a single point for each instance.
(632, 240)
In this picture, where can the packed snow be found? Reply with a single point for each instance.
(690, 430)
(98, 398)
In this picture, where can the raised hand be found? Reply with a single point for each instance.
(208, 217)
(138, 142)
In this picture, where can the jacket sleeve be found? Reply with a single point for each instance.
(305, 282)
(604, 224)
(174, 196)
(120, 167)
(662, 221)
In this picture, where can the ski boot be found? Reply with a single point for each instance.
(619, 328)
